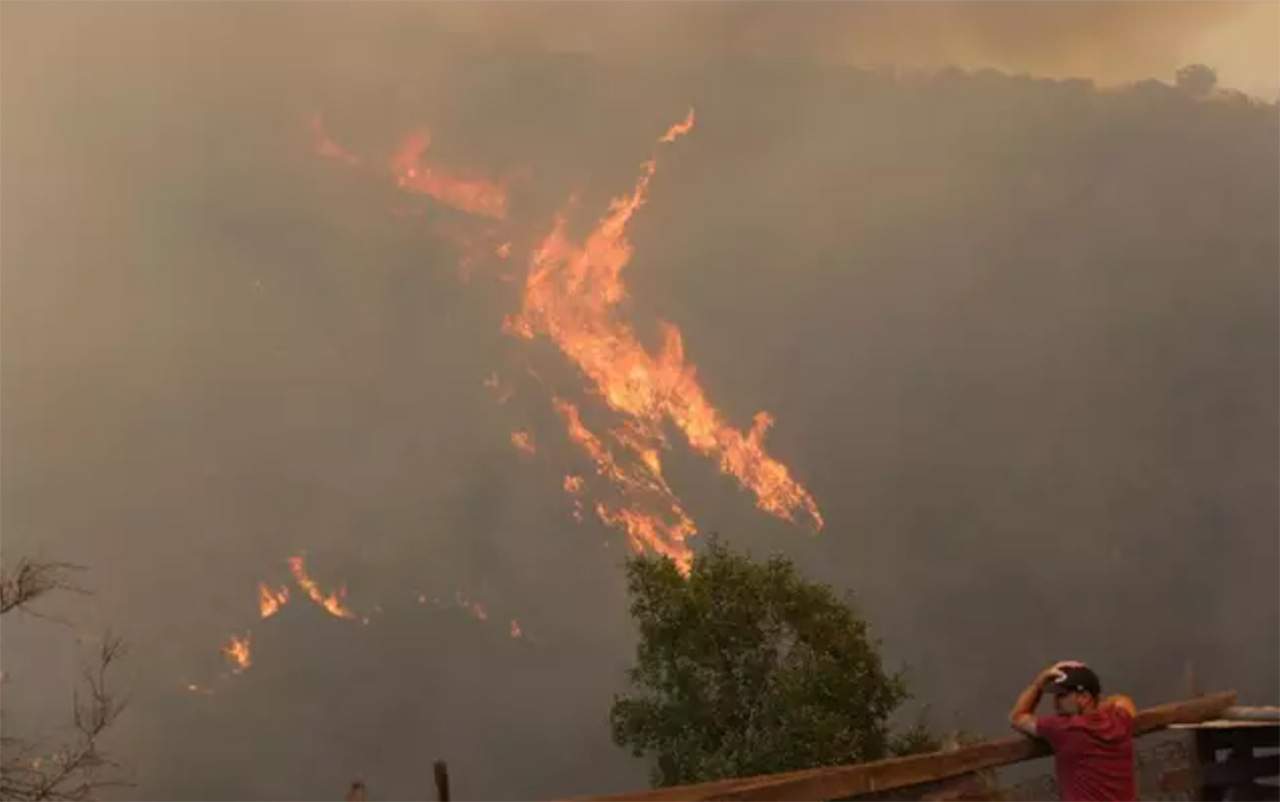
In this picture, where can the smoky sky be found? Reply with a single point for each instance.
(1019, 334)
(1113, 42)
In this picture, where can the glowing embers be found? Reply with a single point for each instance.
(679, 129)
(333, 604)
(522, 440)
(413, 172)
(470, 194)
(238, 652)
(271, 600)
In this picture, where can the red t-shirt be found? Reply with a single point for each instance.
(1092, 754)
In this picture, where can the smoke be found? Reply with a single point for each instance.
(1019, 337)
(1112, 43)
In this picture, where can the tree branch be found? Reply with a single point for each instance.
(31, 580)
(71, 771)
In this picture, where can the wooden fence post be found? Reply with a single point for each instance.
(442, 780)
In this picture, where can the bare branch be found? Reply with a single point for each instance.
(77, 770)
(31, 580)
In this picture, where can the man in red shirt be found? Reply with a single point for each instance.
(1091, 737)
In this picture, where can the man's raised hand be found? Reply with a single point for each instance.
(1058, 671)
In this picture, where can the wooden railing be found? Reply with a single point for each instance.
(844, 782)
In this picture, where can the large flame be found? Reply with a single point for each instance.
(237, 652)
(572, 291)
(472, 195)
(333, 603)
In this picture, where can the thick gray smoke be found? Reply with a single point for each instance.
(1020, 337)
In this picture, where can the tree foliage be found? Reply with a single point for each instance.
(745, 668)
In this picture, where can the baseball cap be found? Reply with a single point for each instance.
(1077, 678)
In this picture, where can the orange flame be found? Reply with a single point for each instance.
(573, 484)
(572, 291)
(471, 195)
(523, 441)
(322, 145)
(237, 652)
(644, 486)
(679, 129)
(333, 603)
(515, 629)
(270, 601)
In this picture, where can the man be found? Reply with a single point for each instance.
(1092, 738)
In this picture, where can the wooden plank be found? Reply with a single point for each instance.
(966, 786)
(708, 789)
(1185, 712)
(839, 782)
(885, 775)
(1246, 713)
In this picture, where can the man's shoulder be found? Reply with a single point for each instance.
(1119, 703)
(1107, 723)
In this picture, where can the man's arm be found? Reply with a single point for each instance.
(1023, 715)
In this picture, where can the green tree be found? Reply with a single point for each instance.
(745, 668)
